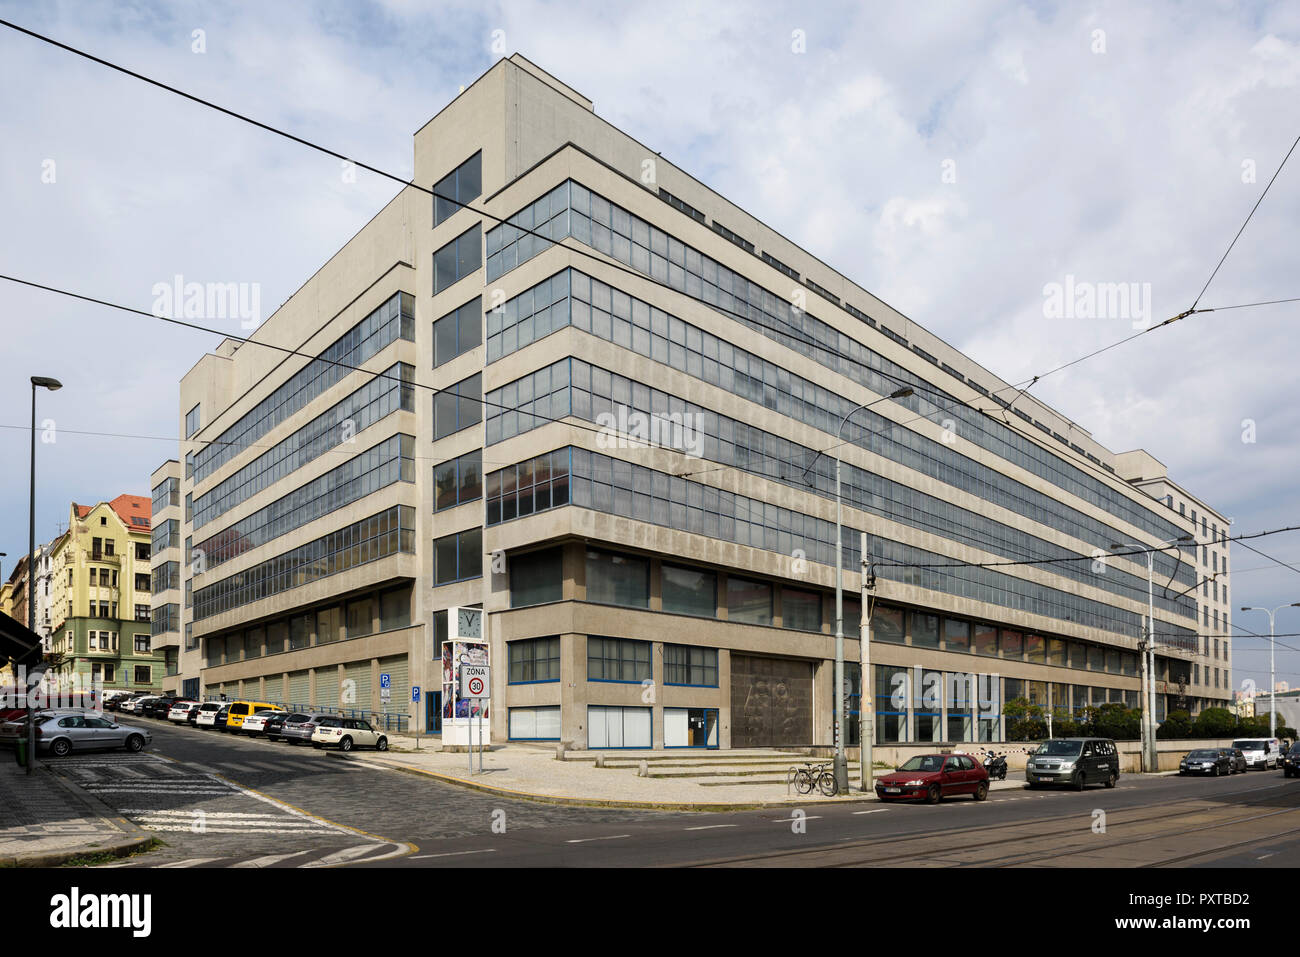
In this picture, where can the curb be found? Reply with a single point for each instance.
(611, 803)
(138, 838)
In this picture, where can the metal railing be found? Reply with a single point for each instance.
(393, 721)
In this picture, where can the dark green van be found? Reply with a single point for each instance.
(1076, 762)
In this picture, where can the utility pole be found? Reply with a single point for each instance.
(866, 686)
(841, 764)
(1272, 667)
(1147, 652)
(51, 384)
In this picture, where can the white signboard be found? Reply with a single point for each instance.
(475, 681)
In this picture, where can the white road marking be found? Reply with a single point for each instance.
(485, 850)
(710, 827)
(267, 861)
(787, 820)
(235, 830)
(876, 810)
(584, 840)
(136, 790)
(191, 862)
(344, 856)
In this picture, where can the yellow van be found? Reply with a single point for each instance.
(239, 710)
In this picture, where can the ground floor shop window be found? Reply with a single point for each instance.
(618, 727)
(535, 724)
(690, 727)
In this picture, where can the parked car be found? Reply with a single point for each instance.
(348, 733)
(112, 699)
(1263, 753)
(1211, 761)
(193, 717)
(239, 710)
(158, 707)
(1238, 760)
(209, 712)
(61, 734)
(932, 777)
(1291, 761)
(180, 710)
(300, 730)
(14, 729)
(255, 723)
(275, 721)
(1076, 762)
(131, 704)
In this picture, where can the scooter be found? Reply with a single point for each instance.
(996, 765)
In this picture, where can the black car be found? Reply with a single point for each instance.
(1211, 761)
(158, 707)
(222, 716)
(1291, 762)
(275, 723)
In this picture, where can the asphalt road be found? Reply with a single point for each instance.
(219, 800)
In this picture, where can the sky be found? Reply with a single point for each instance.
(958, 160)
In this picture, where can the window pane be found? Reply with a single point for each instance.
(801, 610)
(618, 579)
(749, 601)
(689, 591)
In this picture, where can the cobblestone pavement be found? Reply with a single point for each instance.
(222, 800)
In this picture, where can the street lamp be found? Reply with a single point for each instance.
(1272, 670)
(841, 766)
(53, 385)
(1147, 651)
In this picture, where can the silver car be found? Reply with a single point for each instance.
(62, 734)
(300, 726)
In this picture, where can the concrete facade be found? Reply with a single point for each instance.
(291, 593)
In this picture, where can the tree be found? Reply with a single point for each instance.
(1178, 724)
(1215, 723)
(1114, 720)
(1025, 721)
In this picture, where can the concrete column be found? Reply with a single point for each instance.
(374, 704)
(573, 691)
(724, 689)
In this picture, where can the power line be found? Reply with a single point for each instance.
(606, 261)
(599, 258)
(1074, 558)
(1244, 224)
(579, 424)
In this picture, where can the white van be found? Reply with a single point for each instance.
(1263, 753)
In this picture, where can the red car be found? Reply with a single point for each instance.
(931, 777)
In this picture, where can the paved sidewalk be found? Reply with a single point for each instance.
(46, 820)
(532, 772)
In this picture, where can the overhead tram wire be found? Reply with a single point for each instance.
(578, 424)
(594, 256)
(591, 255)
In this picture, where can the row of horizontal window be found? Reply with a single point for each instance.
(387, 533)
(599, 395)
(595, 221)
(358, 617)
(610, 485)
(627, 580)
(166, 493)
(390, 391)
(615, 316)
(537, 660)
(393, 320)
(392, 460)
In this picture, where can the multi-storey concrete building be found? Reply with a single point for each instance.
(99, 596)
(596, 427)
(166, 582)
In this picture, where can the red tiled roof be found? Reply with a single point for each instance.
(133, 510)
(82, 510)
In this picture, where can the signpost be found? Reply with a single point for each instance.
(475, 685)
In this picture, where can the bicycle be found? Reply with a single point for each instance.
(812, 776)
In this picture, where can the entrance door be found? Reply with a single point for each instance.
(433, 712)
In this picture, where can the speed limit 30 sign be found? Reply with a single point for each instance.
(475, 681)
